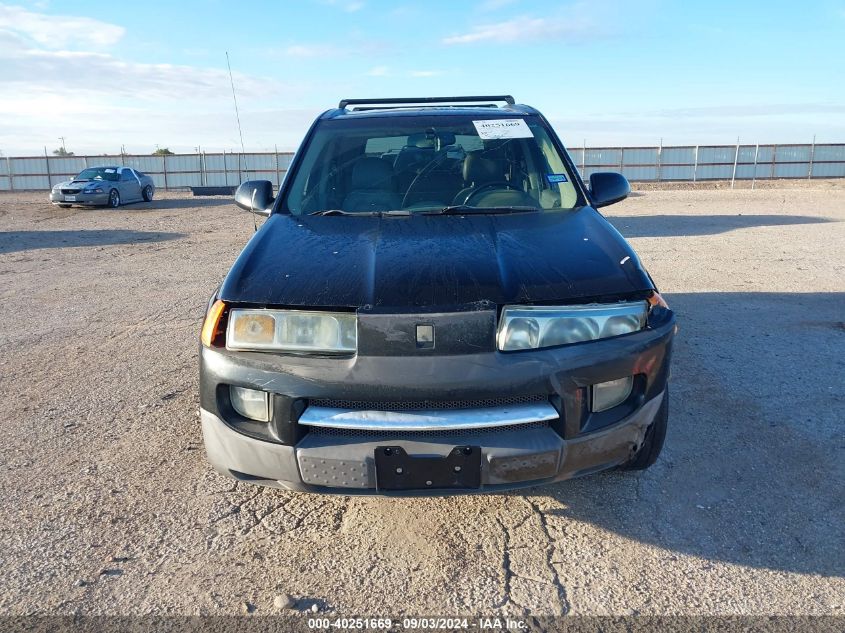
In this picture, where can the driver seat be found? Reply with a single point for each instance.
(479, 171)
(372, 187)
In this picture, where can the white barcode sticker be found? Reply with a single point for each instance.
(502, 128)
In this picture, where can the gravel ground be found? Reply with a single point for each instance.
(110, 507)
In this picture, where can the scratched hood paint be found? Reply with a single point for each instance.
(433, 261)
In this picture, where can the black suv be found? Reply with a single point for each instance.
(433, 306)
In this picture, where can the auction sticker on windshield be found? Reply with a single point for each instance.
(502, 128)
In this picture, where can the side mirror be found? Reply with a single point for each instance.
(607, 187)
(255, 196)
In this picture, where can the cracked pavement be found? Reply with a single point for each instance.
(111, 508)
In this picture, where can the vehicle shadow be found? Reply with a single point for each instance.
(181, 203)
(14, 241)
(681, 225)
(752, 472)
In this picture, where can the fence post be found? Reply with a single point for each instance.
(695, 166)
(47, 161)
(164, 168)
(754, 175)
(278, 175)
(240, 175)
(660, 161)
(9, 169)
(736, 157)
(812, 156)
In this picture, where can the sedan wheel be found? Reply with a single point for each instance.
(114, 199)
(148, 193)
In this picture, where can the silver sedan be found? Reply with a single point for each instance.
(104, 186)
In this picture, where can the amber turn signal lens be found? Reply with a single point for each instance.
(656, 300)
(211, 327)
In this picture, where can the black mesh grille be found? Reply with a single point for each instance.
(421, 405)
(70, 190)
(413, 435)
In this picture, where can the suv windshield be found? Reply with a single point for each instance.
(430, 163)
(98, 173)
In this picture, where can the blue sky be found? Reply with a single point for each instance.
(141, 74)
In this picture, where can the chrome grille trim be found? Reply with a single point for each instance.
(424, 405)
(428, 419)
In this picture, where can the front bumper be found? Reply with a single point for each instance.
(303, 458)
(94, 199)
(511, 459)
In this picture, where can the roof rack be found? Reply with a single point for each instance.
(408, 100)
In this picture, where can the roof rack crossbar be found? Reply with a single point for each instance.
(347, 102)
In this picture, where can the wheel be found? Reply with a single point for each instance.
(147, 193)
(654, 438)
(114, 198)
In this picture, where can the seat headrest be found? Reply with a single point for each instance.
(480, 170)
(372, 174)
(420, 140)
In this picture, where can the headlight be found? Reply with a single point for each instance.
(94, 190)
(292, 331)
(530, 327)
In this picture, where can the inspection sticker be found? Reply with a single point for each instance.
(553, 178)
(503, 128)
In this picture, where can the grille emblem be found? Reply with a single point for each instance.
(425, 336)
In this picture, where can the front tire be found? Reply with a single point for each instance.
(655, 435)
(114, 198)
(147, 193)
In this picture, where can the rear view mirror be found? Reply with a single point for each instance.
(255, 196)
(607, 187)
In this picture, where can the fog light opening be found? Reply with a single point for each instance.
(607, 395)
(250, 403)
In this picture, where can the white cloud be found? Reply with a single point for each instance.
(310, 50)
(378, 71)
(58, 31)
(526, 29)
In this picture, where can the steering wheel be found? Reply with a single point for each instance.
(501, 184)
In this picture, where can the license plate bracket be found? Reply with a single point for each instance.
(70, 198)
(396, 470)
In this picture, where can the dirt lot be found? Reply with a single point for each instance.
(110, 508)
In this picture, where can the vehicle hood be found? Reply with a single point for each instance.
(433, 261)
(77, 184)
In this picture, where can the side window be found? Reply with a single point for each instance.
(127, 174)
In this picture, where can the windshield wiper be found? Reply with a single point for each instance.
(376, 214)
(465, 209)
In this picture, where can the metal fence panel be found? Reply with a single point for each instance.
(793, 153)
(604, 156)
(672, 163)
(792, 170)
(30, 165)
(677, 155)
(829, 152)
(676, 172)
(716, 154)
(640, 156)
(714, 172)
(640, 172)
(829, 170)
(145, 164)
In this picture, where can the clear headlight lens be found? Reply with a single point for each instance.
(250, 403)
(292, 331)
(532, 327)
